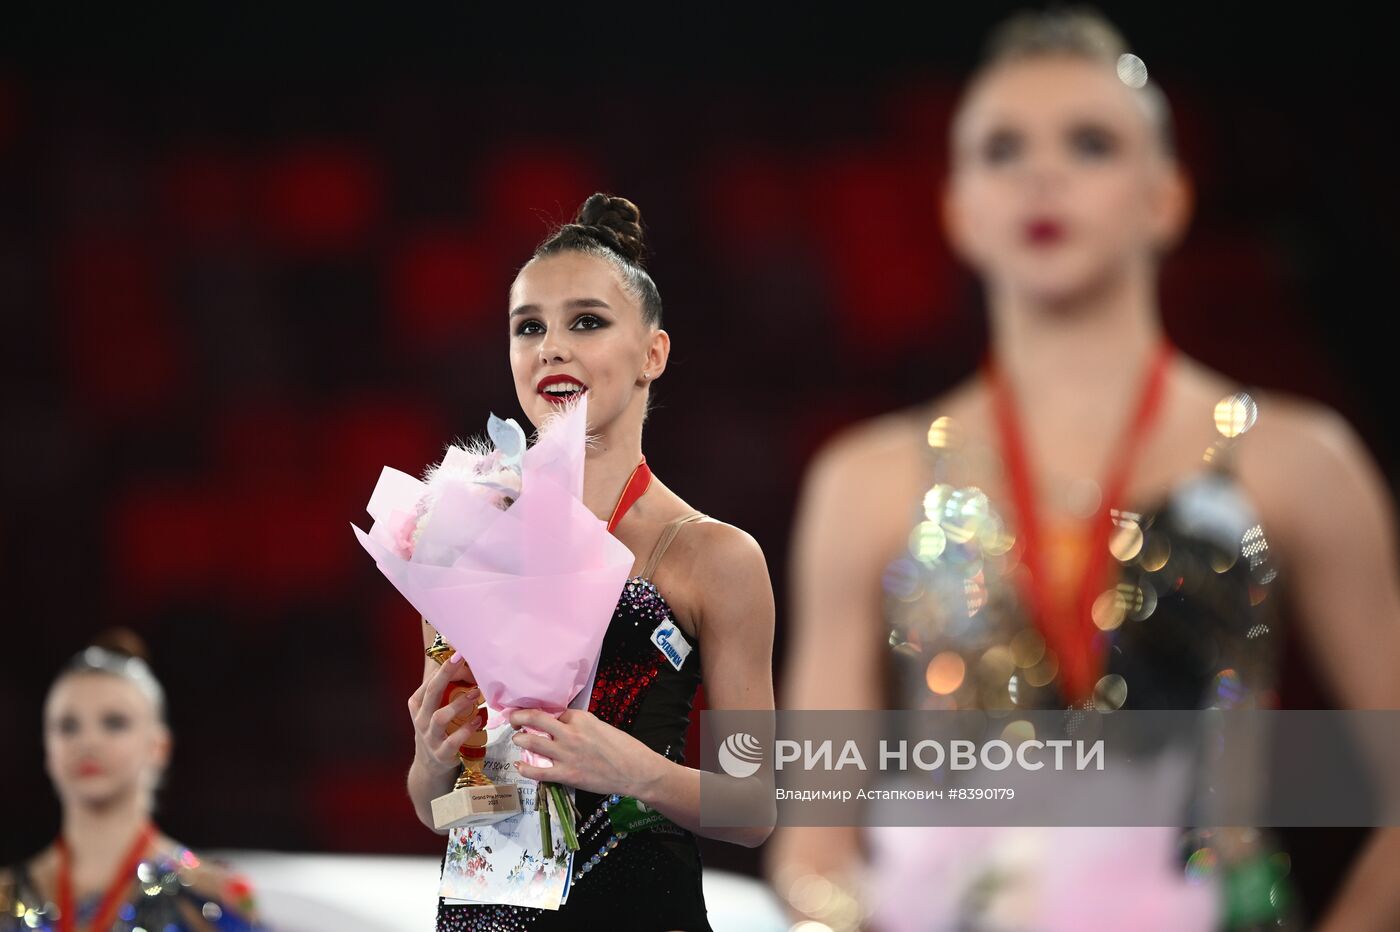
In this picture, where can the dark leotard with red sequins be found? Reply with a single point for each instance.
(649, 879)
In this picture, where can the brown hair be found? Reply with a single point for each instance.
(1080, 32)
(123, 641)
(610, 228)
(119, 652)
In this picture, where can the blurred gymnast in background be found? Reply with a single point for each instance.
(1113, 520)
(106, 746)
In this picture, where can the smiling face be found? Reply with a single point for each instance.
(102, 739)
(1059, 182)
(573, 329)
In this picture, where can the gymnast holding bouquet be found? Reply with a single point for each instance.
(695, 606)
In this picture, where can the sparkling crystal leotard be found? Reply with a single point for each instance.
(172, 889)
(1186, 622)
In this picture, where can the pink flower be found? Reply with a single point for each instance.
(402, 532)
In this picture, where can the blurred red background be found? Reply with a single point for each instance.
(244, 264)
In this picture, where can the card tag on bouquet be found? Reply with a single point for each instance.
(504, 862)
(673, 646)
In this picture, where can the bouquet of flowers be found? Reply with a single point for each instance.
(498, 552)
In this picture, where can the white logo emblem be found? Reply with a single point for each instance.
(740, 755)
(672, 644)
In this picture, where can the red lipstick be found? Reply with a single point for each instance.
(1044, 231)
(556, 397)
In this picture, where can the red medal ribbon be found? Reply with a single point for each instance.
(637, 484)
(1070, 630)
(112, 898)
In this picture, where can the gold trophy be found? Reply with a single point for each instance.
(474, 799)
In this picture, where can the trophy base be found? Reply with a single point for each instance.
(475, 805)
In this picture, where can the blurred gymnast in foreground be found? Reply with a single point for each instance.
(1093, 519)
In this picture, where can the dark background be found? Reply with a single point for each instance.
(248, 259)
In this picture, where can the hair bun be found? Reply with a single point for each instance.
(617, 222)
(122, 641)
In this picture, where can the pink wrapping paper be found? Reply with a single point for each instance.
(529, 591)
(1051, 879)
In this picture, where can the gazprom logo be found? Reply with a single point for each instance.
(672, 644)
(740, 755)
(663, 640)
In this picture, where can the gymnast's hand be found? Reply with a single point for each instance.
(588, 753)
(435, 739)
